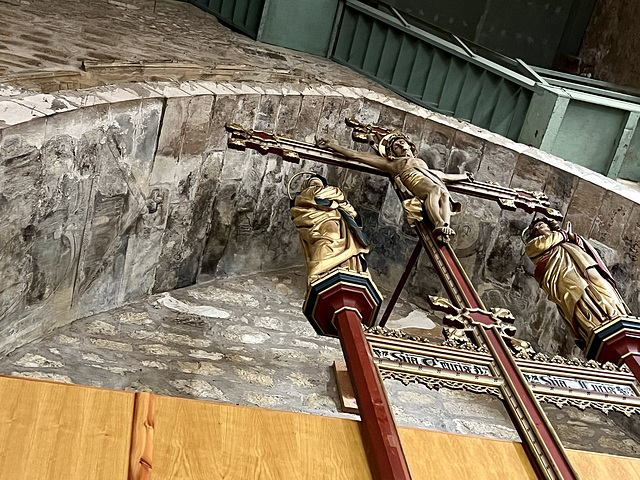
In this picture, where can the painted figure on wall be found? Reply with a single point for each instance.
(427, 187)
(329, 229)
(574, 277)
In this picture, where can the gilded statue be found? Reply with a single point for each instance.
(329, 229)
(574, 277)
(427, 187)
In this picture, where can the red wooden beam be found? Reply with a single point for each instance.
(553, 463)
(381, 438)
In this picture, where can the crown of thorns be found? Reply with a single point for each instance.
(385, 146)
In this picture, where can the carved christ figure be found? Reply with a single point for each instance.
(574, 277)
(427, 186)
(329, 229)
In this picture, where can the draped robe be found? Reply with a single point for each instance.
(328, 231)
(566, 272)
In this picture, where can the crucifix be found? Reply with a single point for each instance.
(420, 190)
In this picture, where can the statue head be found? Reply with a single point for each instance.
(313, 179)
(396, 145)
(540, 226)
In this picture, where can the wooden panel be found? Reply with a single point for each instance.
(445, 456)
(56, 431)
(197, 440)
(596, 466)
(67, 432)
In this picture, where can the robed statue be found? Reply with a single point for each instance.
(426, 187)
(574, 277)
(329, 228)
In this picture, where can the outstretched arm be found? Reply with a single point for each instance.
(453, 177)
(369, 159)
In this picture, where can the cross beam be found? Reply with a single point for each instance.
(488, 327)
(293, 150)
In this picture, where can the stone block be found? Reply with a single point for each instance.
(12, 113)
(141, 262)
(175, 249)
(187, 227)
(214, 87)
(267, 113)
(366, 190)
(222, 221)
(288, 115)
(631, 235)
(369, 112)
(47, 104)
(497, 164)
(389, 254)
(466, 154)
(435, 144)
(113, 176)
(413, 128)
(114, 94)
(186, 179)
(98, 285)
(506, 252)
(391, 118)
(529, 174)
(584, 206)
(170, 90)
(308, 118)
(196, 125)
(346, 92)
(195, 88)
(559, 188)
(145, 91)
(169, 141)
(611, 220)
(70, 123)
(84, 98)
(147, 131)
(239, 109)
(350, 107)
(437, 133)
(241, 89)
(11, 91)
(332, 120)
(123, 118)
(391, 209)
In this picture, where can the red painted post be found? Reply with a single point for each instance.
(633, 362)
(543, 434)
(618, 342)
(382, 441)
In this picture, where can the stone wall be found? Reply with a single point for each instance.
(240, 340)
(610, 46)
(112, 193)
(243, 340)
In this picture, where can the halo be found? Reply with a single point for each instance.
(524, 235)
(388, 140)
(292, 178)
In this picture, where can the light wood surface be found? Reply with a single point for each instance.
(65, 432)
(197, 440)
(142, 432)
(597, 466)
(56, 431)
(445, 456)
(206, 441)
